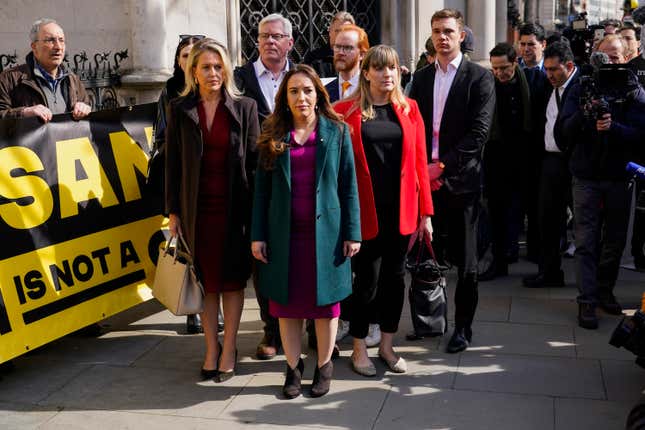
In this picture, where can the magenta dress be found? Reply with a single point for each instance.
(302, 254)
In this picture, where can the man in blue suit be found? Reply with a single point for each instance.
(349, 47)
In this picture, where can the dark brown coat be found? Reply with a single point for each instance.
(19, 89)
(184, 149)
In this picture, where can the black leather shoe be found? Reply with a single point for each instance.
(293, 380)
(542, 280)
(496, 270)
(336, 352)
(587, 316)
(194, 324)
(267, 348)
(322, 379)
(458, 341)
(610, 305)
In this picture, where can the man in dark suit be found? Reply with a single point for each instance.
(506, 156)
(350, 46)
(260, 80)
(457, 99)
(531, 50)
(555, 179)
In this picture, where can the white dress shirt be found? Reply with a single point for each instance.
(552, 115)
(442, 83)
(269, 84)
(353, 85)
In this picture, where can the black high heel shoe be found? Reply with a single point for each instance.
(223, 376)
(212, 373)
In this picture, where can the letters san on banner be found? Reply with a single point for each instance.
(80, 227)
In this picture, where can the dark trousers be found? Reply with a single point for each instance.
(271, 326)
(455, 239)
(379, 285)
(601, 218)
(555, 189)
(505, 213)
(530, 207)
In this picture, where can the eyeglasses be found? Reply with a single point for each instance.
(346, 49)
(191, 36)
(275, 36)
(52, 40)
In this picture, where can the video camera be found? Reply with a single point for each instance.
(581, 37)
(604, 86)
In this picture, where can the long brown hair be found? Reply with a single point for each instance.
(378, 56)
(274, 129)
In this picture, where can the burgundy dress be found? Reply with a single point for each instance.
(302, 251)
(210, 234)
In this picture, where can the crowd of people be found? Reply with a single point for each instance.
(313, 189)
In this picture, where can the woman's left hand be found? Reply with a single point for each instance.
(351, 248)
(425, 227)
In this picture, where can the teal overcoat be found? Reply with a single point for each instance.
(337, 217)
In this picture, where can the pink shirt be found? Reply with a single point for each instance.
(442, 83)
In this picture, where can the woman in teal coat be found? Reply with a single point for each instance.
(306, 220)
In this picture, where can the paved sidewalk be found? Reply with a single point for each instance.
(530, 367)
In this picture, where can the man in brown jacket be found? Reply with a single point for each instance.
(43, 87)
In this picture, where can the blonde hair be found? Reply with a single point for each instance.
(208, 44)
(379, 56)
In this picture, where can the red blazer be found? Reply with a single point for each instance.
(415, 184)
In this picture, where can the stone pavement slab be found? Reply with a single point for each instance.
(624, 380)
(111, 420)
(430, 408)
(15, 416)
(528, 339)
(590, 414)
(36, 378)
(547, 376)
(165, 392)
(348, 404)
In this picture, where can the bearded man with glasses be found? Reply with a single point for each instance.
(43, 87)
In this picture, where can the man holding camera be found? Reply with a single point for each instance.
(602, 135)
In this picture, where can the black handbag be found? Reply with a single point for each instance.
(427, 293)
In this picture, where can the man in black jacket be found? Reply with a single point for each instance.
(506, 157)
(456, 99)
(601, 144)
(555, 179)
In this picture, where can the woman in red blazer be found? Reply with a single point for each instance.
(388, 137)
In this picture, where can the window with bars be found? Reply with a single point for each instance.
(310, 19)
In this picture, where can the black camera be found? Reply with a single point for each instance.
(604, 86)
(630, 334)
(581, 37)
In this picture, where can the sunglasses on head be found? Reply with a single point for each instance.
(191, 36)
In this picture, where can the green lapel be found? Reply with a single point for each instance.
(284, 161)
(323, 137)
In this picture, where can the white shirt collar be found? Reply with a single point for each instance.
(260, 69)
(454, 64)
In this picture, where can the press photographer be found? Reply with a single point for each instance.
(602, 125)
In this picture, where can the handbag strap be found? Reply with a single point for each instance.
(414, 237)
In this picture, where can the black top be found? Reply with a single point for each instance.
(510, 110)
(382, 140)
(322, 60)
